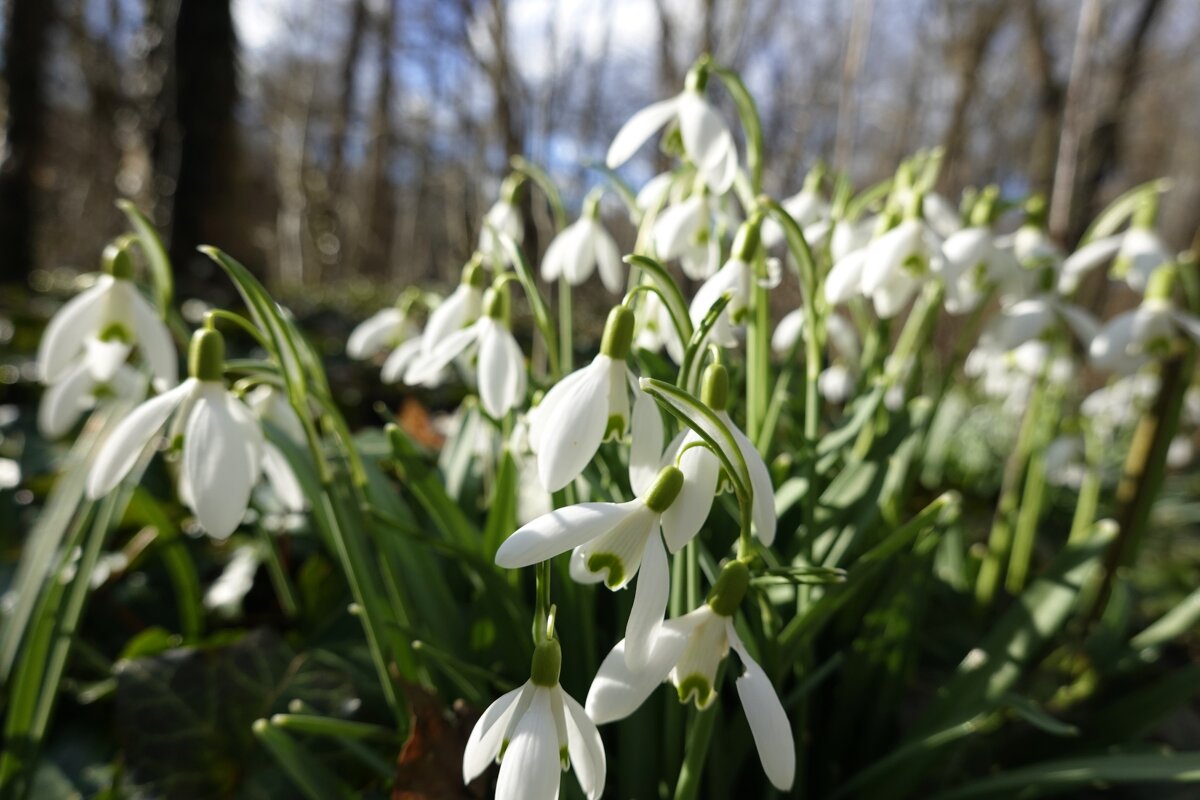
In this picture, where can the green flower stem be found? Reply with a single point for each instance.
(542, 606)
(1089, 493)
(566, 328)
(751, 124)
(687, 787)
(279, 577)
(677, 307)
(758, 357)
(541, 312)
(213, 316)
(1000, 538)
(1034, 495)
(544, 182)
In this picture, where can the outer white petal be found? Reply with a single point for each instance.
(375, 333)
(617, 691)
(845, 279)
(649, 602)
(580, 258)
(64, 400)
(760, 480)
(399, 360)
(561, 530)
(278, 472)
(434, 359)
(886, 255)
(676, 228)
(788, 331)
(720, 175)
(555, 256)
(1024, 321)
(127, 441)
(220, 470)
(488, 734)
(1110, 347)
(654, 193)
(941, 214)
(608, 258)
(585, 748)
(153, 340)
(1089, 257)
(1082, 324)
(645, 451)
(768, 721)
(63, 338)
(457, 310)
(571, 429)
(501, 370)
(544, 410)
(890, 297)
(531, 769)
(1146, 252)
(640, 127)
(105, 357)
(729, 278)
(683, 518)
(706, 139)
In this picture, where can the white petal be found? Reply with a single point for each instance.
(845, 279)
(544, 410)
(649, 602)
(488, 734)
(105, 357)
(886, 255)
(585, 748)
(278, 472)
(1109, 348)
(720, 175)
(1146, 253)
(220, 471)
(608, 258)
(579, 257)
(456, 311)
(1090, 256)
(555, 256)
(788, 331)
(375, 333)
(154, 340)
(640, 127)
(760, 481)
(941, 214)
(1081, 323)
(768, 721)
(560, 531)
(891, 297)
(645, 451)
(676, 228)
(399, 360)
(683, 518)
(572, 428)
(65, 400)
(127, 441)
(63, 338)
(501, 371)
(654, 194)
(617, 691)
(1024, 321)
(531, 769)
(706, 139)
(435, 358)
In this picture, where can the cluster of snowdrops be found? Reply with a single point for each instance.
(858, 259)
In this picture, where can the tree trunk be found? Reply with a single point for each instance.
(24, 45)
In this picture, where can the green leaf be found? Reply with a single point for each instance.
(1056, 777)
(1036, 716)
(156, 255)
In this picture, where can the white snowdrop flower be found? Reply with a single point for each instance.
(1033, 248)
(456, 312)
(225, 595)
(685, 230)
(895, 265)
(10, 473)
(688, 651)
(943, 217)
(655, 193)
(972, 263)
(537, 731)
(222, 441)
(809, 210)
(850, 235)
(654, 329)
(501, 366)
(1135, 253)
(707, 141)
(503, 218)
(836, 383)
(1132, 339)
(532, 498)
(270, 406)
(101, 326)
(389, 329)
(582, 246)
(736, 277)
(1033, 318)
(585, 408)
(613, 542)
(77, 391)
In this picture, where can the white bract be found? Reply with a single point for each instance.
(688, 651)
(537, 731)
(707, 142)
(100, 328)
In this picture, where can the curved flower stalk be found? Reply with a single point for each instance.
(501, 366)
(707, 142)
(585, 408)
(687, 651)
(78, 391)
(1132, 339)
(580, 248)
(103, 325)
(537, 731)
(837, 381)
(613, 542)
(456, 312)
(222, 442)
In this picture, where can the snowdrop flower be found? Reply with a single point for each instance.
(502, 219)
(655, 330)
(685, 231)
(972, 262)
(457, 311)
(1135, 253)
(501, 367)
(270, 406)
(612, 542)
(101, 326)
(707, 142)
(806, 207)
(585, 408)
(736, 278)
(222, 441)
(389, 329)
(537, 731)
(688, 651)
(1032, 319)
(580, 248)
(10, 474)
(77, 391)
(225, 595)
(1134, 338)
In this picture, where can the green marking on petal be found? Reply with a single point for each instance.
(599, 562)
(564, 758)
(615, 428)
(116, 332)
(697, 689)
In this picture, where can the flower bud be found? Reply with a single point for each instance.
(665, 489)
(730, 588)
(206, 355)
(497, 302)
(714, 387)
(117, 259)
(618, 334)
(547, 663)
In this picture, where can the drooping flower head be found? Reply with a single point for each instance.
(502, 219)
(1135, 253)
(456, 312)
(537, 731)
(388, 329)
(1132, 339)
(582, 246)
